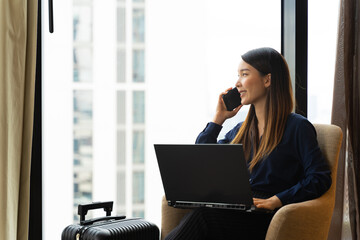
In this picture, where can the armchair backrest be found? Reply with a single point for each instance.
(329, 139)
(311, 219)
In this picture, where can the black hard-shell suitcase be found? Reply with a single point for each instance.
(109, 227)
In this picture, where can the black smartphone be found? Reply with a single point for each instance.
(232, 99)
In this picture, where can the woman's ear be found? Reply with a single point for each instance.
(267, 80)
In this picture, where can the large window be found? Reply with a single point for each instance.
(322, 32)
(121, 75)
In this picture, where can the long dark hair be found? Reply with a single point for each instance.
(279, 104)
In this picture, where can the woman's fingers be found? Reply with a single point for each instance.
(226, 91)
(237, 109)
(270, 203)
(258, 200)
(261, 203)
(221, 112)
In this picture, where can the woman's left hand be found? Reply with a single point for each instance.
(270, 203)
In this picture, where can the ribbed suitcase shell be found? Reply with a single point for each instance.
(129, 229)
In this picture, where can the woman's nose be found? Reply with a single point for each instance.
(238, 83)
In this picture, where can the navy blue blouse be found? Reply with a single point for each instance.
(294, 171)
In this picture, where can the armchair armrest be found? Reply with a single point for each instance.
(304, 220)
(170, 217)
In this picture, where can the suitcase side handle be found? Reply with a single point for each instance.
(92, 221)
(84, 208)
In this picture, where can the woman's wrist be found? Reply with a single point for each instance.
(277, 202)
(218, 120)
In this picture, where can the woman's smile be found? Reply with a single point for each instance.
(242, 93)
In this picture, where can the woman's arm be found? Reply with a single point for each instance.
(212, 129)
(316, 179)
(211, 133)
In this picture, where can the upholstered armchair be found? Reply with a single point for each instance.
(305, 220)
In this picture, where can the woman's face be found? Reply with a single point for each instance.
(251, 85)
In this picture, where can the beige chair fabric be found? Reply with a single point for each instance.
(18, 32)
(305, 220)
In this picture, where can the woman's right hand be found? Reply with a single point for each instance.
(221, 112)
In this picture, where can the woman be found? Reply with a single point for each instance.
(282, 153)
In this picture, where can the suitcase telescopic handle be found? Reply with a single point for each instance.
(84, 208)
(101, 219)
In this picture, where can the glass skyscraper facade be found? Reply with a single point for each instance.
(129, 82)
(82, 103)
(131, 107)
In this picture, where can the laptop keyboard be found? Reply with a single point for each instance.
(210, 205)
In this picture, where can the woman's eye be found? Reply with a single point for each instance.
(244, 74)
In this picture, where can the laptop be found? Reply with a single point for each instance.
(205, 175)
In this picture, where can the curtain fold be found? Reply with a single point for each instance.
(338, 117)
(18, 28)
(346, 114)
(352, 84)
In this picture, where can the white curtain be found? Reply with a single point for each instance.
(18, 29)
